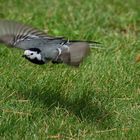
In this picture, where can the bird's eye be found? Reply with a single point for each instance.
(31, 53)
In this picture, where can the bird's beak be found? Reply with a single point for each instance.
(23, 55)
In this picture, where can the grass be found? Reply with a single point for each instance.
(100, 100)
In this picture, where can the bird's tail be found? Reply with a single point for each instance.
(78, 50)
(92, 44)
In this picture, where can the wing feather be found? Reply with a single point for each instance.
(12, 32)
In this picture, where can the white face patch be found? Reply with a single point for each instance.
(32, 55)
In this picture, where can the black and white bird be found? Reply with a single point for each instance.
(40, 48)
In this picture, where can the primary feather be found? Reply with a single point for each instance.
(11, 33)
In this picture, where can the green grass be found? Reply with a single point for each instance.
(100, 100)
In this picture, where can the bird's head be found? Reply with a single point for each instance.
(33, 55)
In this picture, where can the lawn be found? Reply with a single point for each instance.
(100, 99)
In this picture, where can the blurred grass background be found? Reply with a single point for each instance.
(100, 100)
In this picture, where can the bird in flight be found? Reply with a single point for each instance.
(41, 48)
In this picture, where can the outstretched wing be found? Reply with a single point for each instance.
(11, 33)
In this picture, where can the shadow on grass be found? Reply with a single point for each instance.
(84, 108)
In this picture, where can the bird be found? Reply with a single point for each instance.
(41, 48)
